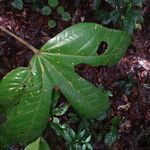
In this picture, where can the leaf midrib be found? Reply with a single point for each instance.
(65, 79)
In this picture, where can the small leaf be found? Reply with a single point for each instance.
(60, 10)
(110, 94)
(83, 147)
(88, 139)
(67, 136)
(55, 97)
(39, 144)
(115, 121)
(111, 137)
(18, 4)
(53, 3)
(51, 23)
(46, 10)
(72, 133)
(58, 128)
(81, 134)
(56, 120)
(66, 16)
(89, 146)
(60, 111)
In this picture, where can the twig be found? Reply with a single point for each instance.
(36, 51)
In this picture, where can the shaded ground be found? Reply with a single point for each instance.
(129, 80)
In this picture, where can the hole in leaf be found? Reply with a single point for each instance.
(102, 48)
(81, 68)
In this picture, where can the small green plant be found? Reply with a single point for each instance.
(51, 23)
(74, 140)
(60, 10)
(26, 92)
(45, 10)
(125, 14)
(112, 135)
(80, 139)
(65, 16)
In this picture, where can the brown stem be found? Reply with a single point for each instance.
(36, 51)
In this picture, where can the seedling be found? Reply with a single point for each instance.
(51, 23)
(66, 16)
(46, 10)
(112, 135)
(60, 10)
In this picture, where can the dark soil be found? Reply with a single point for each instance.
(128, 80)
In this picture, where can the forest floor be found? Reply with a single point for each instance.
(128, 80)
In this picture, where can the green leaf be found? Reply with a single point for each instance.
(27, 120)
(54, 66)
(51, 23)
(18, 4)
(81, 134)
(53, 3)
(39, 144)
(59, 129)
(72, 133)
(89, 146)
(115, 121)
(60, 111)
(84, 147)
(56, 120)
(111, 136)
(12, 86)
(60, 10)
(88, 139)
(46, 11)
(67, 136)
(66, 16)
(55, 97)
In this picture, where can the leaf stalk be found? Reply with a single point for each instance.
(35, 51)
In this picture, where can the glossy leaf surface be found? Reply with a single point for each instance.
(54, 66)
(39, 144)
